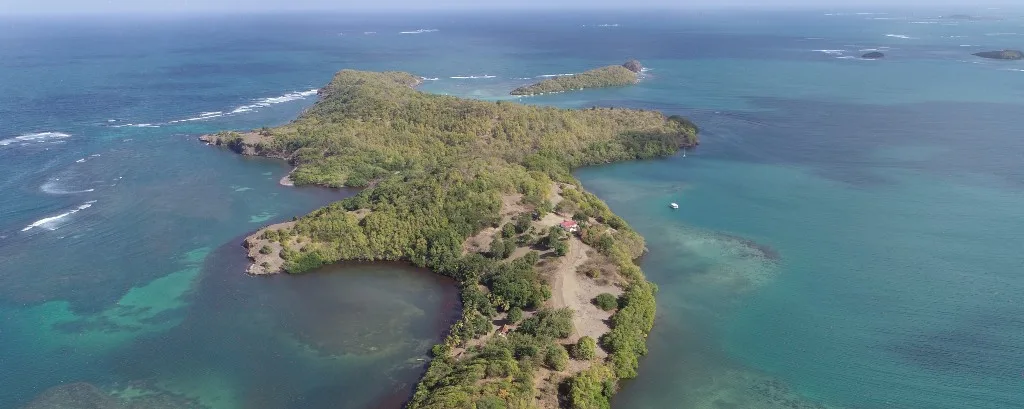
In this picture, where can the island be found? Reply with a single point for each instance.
(874, 55)
(1001, 55)
(610, 76)
(555, 309)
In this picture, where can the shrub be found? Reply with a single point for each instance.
(510, 247)
(585, 349)
(497, 248)
(551, 323)
(591, 388)
(523, 223)
(515, 314)
(508, 230)
(606, 301)
(556, 358)
(265, 250)
(561, 248)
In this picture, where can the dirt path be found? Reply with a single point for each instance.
(564, 283)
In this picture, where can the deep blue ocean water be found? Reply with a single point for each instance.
(849, 233)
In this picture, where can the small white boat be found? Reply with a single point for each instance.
(673, 205)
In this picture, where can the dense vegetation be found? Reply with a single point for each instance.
(610, 76)
(435, 168)
(1002, 55)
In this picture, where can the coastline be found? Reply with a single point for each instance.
(607, 247)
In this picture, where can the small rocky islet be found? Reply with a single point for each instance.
(1010, 55)
(874, 55)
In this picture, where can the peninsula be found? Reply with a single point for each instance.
(610, 76)
(555, 311)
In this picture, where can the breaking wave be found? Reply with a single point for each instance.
(40, 137)
(48, 222)
(52, 186)
(831, 52)
(259, 103)
(472, 77)
(555, 75)
(905, 37)
(420, 31)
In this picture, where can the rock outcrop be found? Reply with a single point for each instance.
(874, 55)
(633, 65)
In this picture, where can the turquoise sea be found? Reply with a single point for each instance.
(849, 234)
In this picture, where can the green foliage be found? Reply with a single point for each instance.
(610, 76)
(556, 358)
(523, 221)
(561, 248)
(591, 388)
(497, 248)
(435, 168)
(579, 217)
(508, 230)
(265, 250)
(531, 258)
(515, 285)
(585, 349)
(493, 376)
(515, 314)
(606, 301)
(549, 323)
(630, 326)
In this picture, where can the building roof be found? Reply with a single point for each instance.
(569, 224)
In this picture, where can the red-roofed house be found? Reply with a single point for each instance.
(570, 226)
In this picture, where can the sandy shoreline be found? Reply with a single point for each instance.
(286, 180)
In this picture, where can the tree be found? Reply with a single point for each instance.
(585, 349)
(515, 314)
(531, 258)
(509, 248)
(523, 222)
(606, 301)
(508, 230)
(580, 217)
(561, 248)
(556, 358)
(497, 248)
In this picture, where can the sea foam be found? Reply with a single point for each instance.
(905, 37)
(259, 103)
(34, 137)
(49, 221)
(420, 31)
(471, 77)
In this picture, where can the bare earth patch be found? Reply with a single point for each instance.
(268, 261)
(511, 205)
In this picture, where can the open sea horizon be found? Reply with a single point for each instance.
(849, 232)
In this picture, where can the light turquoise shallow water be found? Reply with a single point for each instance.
(849, 231)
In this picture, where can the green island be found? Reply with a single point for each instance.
(555, 310)
(610, 76)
